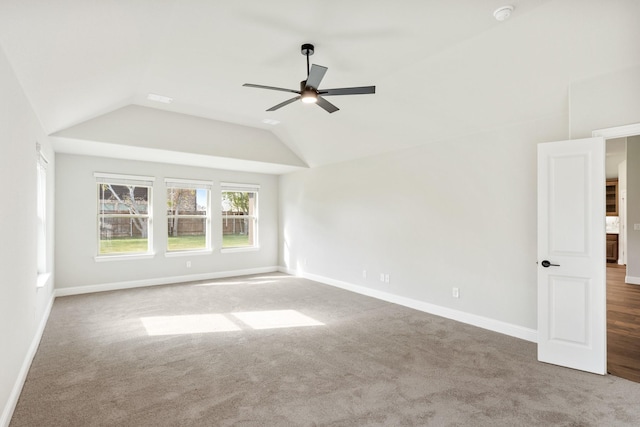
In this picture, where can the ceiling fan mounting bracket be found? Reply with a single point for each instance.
(307, 49)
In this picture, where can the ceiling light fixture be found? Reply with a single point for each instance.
(270, 121)
(503, 13)
(159, 98)
(309, 96)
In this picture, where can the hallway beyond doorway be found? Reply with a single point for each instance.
(623, 325)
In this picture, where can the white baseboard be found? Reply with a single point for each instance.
(10, 406)
(632, 280)
(449, 313)
(103, 287)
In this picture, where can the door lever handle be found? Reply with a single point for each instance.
(547, 264)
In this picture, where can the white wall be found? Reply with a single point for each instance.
(23, 306)
(76, 235)
(460, 213)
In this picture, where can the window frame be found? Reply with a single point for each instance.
(41, 219)
(125, 180)
(191, 184)
(229, 187)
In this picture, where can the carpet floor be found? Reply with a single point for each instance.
(277, 350)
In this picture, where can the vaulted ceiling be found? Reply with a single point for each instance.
(442, 68)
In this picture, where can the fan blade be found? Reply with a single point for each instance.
(315, 75)
(363, 90)
(271, 88)
(326, 105)
(282, 104)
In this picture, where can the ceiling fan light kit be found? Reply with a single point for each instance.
(309, 92)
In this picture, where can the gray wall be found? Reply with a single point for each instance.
(460, 213)
(633, 208)
(22, 305)
(76, 210)
(457, 213)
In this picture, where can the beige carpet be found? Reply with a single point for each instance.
(275, 350)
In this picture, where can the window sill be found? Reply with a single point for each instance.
(188, 253)
(43, 280)
(233, 250)
(106, 258)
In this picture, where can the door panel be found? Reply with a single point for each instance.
(571, 236)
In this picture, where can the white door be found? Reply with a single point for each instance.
(572, 254)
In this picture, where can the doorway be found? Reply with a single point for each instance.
(623, 292)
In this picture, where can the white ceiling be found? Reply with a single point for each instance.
(442, 68)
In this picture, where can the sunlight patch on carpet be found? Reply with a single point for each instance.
(276, 319)
(188, 324)
(208, 323)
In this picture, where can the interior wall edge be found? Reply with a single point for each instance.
(103, 287)
(631, 280)
(7, 413)
(494, 325)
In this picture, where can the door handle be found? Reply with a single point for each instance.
(547, 264)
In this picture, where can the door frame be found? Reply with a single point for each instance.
(616, 132)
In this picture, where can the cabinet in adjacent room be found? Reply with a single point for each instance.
(612, 248)
(612, 197)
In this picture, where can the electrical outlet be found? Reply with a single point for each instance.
(455, 292)
(382, 277)
(386, 278)
(364, 274)
(188, 264)
(636, 227)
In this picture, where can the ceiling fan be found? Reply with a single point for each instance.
(309, 92)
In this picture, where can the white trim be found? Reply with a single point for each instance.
(188, 183)
(42, 280)
(41, 155)
(194, 252)
(10, 406)
(245, 187)
(108, 176)
(618, 131)
(103, 287)
(631, 280)
(103, 258)
(233, 250)
(510, 329)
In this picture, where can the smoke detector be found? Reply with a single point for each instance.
(502, 13)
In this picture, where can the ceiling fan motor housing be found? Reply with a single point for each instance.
(307, 49)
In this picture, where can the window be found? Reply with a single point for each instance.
(124, 214)
(239, 215)
(188, 215)
(41, 227)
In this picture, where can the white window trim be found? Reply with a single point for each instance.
(42, 215)
(239, 249)
(192, 184)
(242, 188)
(188, 252)
(120, 257)
(120, 179)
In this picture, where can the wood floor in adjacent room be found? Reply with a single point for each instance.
(623, 325)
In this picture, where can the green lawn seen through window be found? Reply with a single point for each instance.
(235, 241)
(186, 243)
(180, 243)
(123, 245)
